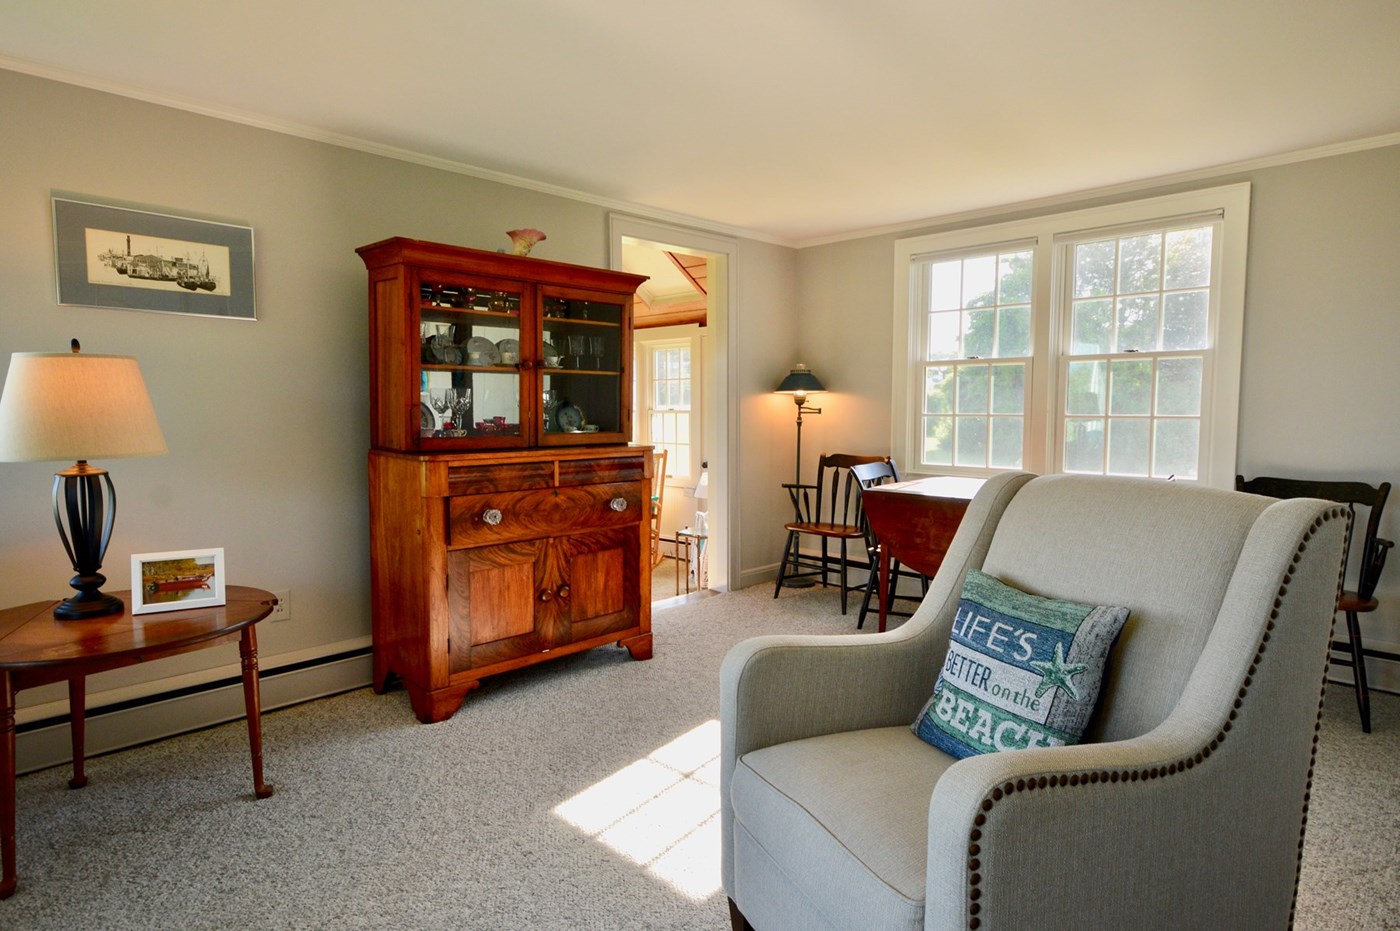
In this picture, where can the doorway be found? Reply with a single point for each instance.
(699, 490)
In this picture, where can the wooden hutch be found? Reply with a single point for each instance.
(508, 515)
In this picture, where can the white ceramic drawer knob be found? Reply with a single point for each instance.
(491, 516)
(618, 504)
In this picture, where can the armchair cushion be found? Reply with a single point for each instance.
(1022, 671)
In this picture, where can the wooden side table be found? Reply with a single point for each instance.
(36, 649)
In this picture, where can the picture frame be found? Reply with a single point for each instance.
(127, 259)
(177, 580)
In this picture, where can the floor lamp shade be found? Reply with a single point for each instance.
(71, 406)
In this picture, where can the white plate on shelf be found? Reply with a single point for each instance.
(570, 418)
(481, 351)
(552, 358)
(510, 351)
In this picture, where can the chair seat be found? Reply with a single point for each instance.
(856, 801)
(1351, 601)
(825, 530)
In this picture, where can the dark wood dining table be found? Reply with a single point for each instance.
(36, 648)
(915, 521)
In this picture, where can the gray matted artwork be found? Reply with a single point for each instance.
(126, 259)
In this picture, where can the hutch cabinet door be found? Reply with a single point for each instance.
(491, 600)
(585, 353)
(470, 361)
(602, 570)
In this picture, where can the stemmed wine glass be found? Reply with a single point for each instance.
(576, 346)
(595, 345)
(551, 402)
(461, 407)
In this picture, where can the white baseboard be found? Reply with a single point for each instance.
(48, 743)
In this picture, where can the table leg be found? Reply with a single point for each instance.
(884, 594)
(77, 725)
(9, 879)
(252, 700)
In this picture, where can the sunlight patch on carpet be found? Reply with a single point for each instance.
(661, 812)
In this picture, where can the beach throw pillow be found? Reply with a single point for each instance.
(1022, 671)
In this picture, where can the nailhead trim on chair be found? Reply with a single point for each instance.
(974, 850)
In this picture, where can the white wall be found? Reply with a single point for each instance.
(1321, 342)
(267, 421)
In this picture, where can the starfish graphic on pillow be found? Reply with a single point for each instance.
(1056, 674)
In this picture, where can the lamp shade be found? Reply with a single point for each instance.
(76, 406)
(800, 381)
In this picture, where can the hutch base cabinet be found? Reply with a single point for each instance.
(483, 563)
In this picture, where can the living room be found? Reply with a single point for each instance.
(267, 421)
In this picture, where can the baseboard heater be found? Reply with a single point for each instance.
(46, 741)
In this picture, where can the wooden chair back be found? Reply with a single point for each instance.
(658, 494)
(834, 499)
(1353, 495)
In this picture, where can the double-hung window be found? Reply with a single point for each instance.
(1102, 341)
(667, 415)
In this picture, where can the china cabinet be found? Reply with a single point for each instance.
(509, 518)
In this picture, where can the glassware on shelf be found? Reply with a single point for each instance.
(461, 408)
(551, 403)
(576, 348)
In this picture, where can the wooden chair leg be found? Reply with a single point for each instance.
(1358, 671)
(737, 921)
(870, 585)
(842, 580)
(782, 566)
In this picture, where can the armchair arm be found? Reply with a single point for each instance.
(801, 495)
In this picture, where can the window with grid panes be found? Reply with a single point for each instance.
(1139, 341)
(1105, 340)
(665, 385)
(977, 352)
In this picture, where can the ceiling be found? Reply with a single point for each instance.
(791, 120)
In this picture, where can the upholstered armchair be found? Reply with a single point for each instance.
(1183, 808)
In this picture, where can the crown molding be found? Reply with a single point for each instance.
(315, 134)
(1215, 172)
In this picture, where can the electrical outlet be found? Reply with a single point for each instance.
(283, 611)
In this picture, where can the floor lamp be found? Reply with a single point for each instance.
(75, 406)
(799, 383)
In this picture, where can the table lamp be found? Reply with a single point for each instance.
(799, 383)
(79, 406)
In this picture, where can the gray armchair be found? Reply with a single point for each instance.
(1185, 806)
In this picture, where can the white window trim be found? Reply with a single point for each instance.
(1218, 443)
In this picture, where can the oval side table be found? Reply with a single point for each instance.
(36, 649)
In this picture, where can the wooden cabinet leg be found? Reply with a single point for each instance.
(432, 706)
(252, 701)
(9, 879)
(639, 646)
(77, 726)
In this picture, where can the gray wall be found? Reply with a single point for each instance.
(267, 421)
(1322, 333)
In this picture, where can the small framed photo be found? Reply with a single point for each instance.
(111, 256)
(177, 580)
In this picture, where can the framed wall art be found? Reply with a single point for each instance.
(177, 580)
(116, 257)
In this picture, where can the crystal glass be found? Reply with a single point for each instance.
(576, 347)
(595, 348)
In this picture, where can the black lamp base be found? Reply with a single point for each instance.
(86, 605)
(77, 493)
